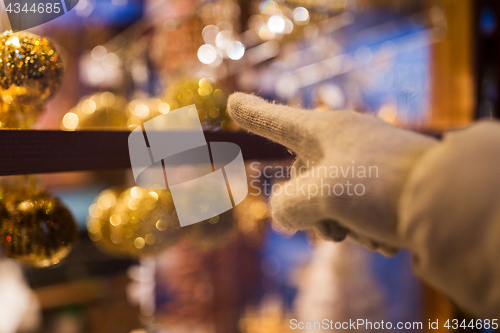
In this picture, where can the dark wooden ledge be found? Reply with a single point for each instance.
(34, 151)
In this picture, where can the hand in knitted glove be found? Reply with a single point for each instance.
(324, 192)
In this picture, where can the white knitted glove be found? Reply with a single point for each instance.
(337, 140)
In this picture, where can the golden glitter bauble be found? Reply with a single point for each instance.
(209, 234)
(209, 98)
(31, 71)
(102, 110)
(36, 228)
(133, 223)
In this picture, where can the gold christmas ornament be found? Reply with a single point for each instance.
(139, 222)
(108, 111)
(133, 223)
(209, 98)
(36, 229)
(102, 110)
(31, 71)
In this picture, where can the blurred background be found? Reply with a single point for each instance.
(426, 65)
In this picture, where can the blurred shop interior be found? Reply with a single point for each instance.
(426, 65)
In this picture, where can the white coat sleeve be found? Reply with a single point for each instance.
(449, 215)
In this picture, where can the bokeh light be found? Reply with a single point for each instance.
(207, 54)
(276, 24)
(223, 39)
(268, 7)
(209, 33)
(235, 50)
(70, 121)
(265, 33)
(300, 15)
(99, 52)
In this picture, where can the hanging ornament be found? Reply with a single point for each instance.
(209, 98)
(102, 110)
(36, 228)
(31, 72)
(133, 223)
(108, 111)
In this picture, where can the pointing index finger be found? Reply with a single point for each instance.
(279, 123)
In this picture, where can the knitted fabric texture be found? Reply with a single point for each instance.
(343, 143)
(439, 200)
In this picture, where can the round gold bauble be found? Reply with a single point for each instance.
(209, 98)
(31, 71)
(133, 223)
(103, 110)
(36, 228)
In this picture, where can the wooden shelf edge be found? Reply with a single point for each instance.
(52, 151)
